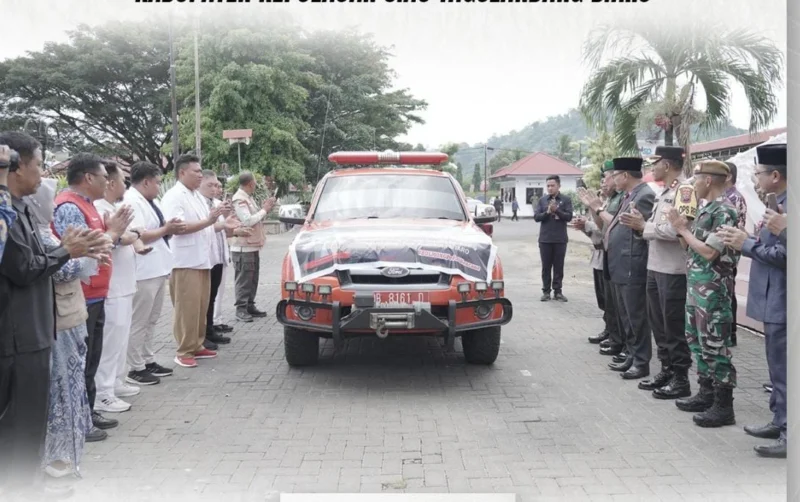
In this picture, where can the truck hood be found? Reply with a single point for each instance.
(451, 247)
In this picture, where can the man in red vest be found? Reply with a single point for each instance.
(87, 179)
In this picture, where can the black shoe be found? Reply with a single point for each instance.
(621, 367)
(700, 401)
(600, 338)
(606, 343)
(610, 351)
(95, 435)
(769, 431)
(636, 372)
(545, 297)
(101, 422)
(244, 316)
(721, 411)
(621, 357)
(210, 345)
(143, 377)
(658, 381)
(223, 328)
(157, 370)
(253, 311)
(677, 387)
(559, 297)
(768, 387)
(217, 338)
(776, 450)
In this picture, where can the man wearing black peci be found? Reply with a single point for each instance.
(553, 212)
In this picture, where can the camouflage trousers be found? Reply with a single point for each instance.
(708, 334)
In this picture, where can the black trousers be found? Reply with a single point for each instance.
(666, 311)
(611, 314)
(775, 344)
(552, 255)
(632, 304)
(94, 346)
(599, 289)
(216, 281)
(514, 216)
(734, 306)
(24, 396)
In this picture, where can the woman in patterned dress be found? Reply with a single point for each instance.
(69, 416)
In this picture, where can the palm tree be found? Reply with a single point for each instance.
(565, 148)
(637, 66)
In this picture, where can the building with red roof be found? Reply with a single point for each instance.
(526, 178)
(726, 148)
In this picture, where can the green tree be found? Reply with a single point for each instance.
(476, 177)
(459, 173)
(601, 149)
(668, 65)
(565, 149)
(500, 160)
(105, 90)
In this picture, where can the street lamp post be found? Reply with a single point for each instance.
(173, 96)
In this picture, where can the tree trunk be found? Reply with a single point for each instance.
(668, 134)
(669, 99)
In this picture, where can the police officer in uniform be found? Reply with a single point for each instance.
(666, 279)
(766, 296)
(709, 312)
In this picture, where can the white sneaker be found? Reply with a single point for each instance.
(111, 405)
(126, 390)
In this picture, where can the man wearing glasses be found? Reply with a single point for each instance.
(767, 290)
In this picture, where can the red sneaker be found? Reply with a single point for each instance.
(186, 361)
(205, 354)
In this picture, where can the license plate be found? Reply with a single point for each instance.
(399, 299)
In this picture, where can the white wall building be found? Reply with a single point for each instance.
(526, 178)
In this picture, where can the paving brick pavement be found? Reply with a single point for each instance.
(547, 421)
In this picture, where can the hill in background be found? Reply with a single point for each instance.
(542, 136)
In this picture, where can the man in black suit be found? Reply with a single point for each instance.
(627, 267)
(553, 212)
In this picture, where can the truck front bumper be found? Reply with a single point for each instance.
(382, 320)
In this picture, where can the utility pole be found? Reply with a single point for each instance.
(174, 98)
(196, 90)
(485, 172)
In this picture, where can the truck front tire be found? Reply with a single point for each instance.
(301, 347)
(481, 346)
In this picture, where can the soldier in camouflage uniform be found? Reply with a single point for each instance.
(709, 313)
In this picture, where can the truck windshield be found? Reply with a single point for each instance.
(387, 196)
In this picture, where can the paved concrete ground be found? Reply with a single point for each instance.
(548, 421)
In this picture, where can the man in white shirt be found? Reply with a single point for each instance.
(219, 325)
(190, 282)
(151, 272)
(110, 377)
(209, 189)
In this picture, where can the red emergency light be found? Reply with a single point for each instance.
(398, 158)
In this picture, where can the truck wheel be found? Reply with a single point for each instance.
(481, 346)
(301, 347)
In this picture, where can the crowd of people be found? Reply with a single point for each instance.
(666, 263)
(84, 273)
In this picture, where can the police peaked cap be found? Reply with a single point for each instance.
(674, 153)
(630, 164)
(771, 155)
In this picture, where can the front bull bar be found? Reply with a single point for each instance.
(381, 320)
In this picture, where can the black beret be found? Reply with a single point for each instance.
(628, 164)
(771, 155)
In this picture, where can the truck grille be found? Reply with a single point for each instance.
(374, 277)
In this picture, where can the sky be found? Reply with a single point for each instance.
(484, 69)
